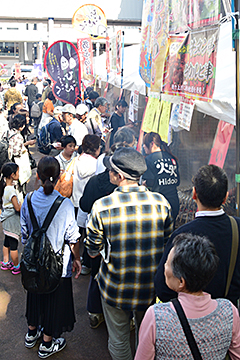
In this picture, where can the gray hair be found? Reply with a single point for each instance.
(100, 101)
(195, 260)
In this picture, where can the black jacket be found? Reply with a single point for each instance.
(97, 187)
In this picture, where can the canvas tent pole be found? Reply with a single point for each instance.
(237, 176)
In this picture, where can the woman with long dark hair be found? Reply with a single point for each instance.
(52, 312)
(162, 173)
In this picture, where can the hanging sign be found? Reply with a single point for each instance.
(62, 63)
(86, 57)
(185, 113)
(90, 19)
(190, 67)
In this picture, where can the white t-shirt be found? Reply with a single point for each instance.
(78, 131)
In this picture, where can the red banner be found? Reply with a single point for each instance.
(108, 55)
(190, 67)
(119, 51)
(221, 144)
(86, 57)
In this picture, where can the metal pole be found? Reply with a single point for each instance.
(236, 36)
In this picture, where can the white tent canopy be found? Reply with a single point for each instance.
(223, 104)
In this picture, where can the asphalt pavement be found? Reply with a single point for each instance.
(83, 343)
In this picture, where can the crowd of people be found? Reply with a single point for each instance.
(120, 204)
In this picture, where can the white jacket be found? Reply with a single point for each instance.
(85, 167)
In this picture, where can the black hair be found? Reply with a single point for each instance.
(195, 260)
(67, 139)
(211, 184)
(93, 95)
(13, 83)
(48, 171)
(51, 96)
(156, 139)
(6, 171)
(90, 144)
(124, 135)
(13, 107)
(49, 81)
(38, 96)
(17, 122)
(122, 103)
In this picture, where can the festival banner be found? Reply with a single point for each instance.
(159, 44)
(86, 57)
(221, 143)
(90, 19)
(17, 71)
(193, 14)
(118, 51)
(190, 69)
(108, 55)
(113, 53)
(145, 45)
(203, 13)
(178, 16)
(62, 63)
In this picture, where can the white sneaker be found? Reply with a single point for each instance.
(57, 345)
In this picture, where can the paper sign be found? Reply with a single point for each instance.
(86, 56)
(185, 113)
(221, 143)
(149, 118)
(164, 120)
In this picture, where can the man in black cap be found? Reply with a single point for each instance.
(129, 229)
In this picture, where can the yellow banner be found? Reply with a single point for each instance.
(164, 120)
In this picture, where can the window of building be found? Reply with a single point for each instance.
(9, 49)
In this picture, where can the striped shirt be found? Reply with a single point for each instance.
(137, 223)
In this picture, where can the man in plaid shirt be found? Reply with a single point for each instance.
(129, 228)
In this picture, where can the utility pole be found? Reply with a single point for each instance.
(236, 48)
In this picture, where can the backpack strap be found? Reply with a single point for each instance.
(32, 215)
(50, 213)
(234, 252)
(92, 126)
(187, 330)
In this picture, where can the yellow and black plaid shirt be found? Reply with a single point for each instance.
(137, 223)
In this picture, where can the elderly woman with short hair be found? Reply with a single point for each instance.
(190, 266)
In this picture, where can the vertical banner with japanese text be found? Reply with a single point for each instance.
(118, 51)
(159, 43)
(62, 63)
(86, 57)
(145, 45)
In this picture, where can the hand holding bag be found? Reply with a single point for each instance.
(64, 184)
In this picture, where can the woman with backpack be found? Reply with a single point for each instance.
(53, 312)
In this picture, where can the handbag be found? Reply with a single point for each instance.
(64, 184)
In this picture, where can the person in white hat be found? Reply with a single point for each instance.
(76, 128)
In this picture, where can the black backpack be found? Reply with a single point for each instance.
(4, 145)
(41, 267)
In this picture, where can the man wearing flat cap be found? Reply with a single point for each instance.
(128, 228)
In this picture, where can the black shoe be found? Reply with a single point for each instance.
(95, 320)
(30, 341)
